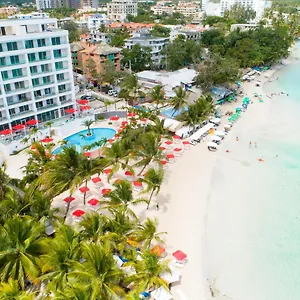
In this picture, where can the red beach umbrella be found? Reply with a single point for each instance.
(168, 143)
(162, 148)
(19, 127)
(186, 143)
(143, 120)
(86, 107)
(111, 140)
(138, 183)
(114, 118)
(47, 140)
(107, 171)
(96, 179)
(176, 137)
(124, 123)
(84, 189)
(118, 181)
(6, 132)
(78, 213)
(70, 110)
(106, 191)
(87, 154)
(130, 115)
(179, 255)
(128, 173)
(69, 199)
(158, 250)
(163, 162)
(93, 202)
(170, 155)
(32, 122)
(82, 102)
(177, 149)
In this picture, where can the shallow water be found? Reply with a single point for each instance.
(253, 225)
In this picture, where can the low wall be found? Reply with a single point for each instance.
(108, 114)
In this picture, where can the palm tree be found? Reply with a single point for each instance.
(49, 125)
(148, 271)
(154, 179)
(157, 94)
(147, 232)
(77, 291)
(122, 196)
(99, 270)
(20, 248)
(179, 101)
(33, 132)
(148, 150)
(11, 291)
(102, 142)
(124, 94)
(131, 85)
(88, 123)
(60, 253)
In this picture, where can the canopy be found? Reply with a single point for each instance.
(47, 140)
(174, 276)
(186, 143)
(177, 149)
(131, 114)
(70, 110)
(211, 144)
(93, 202)
(69, 199)
(83, 102)
(220, 133)
(201, 131)
(215, 120)
(168, 142)
(170, 156)
(158, 250)
(143, 120)
(163, 162)
(106, 191)
(96, 179)
(124, 123)
(215, 138)
(179, 255)
(84, 189)
(114, 118)
(86, 107)
(107, 171)
(176, 137)
(161, 294)
(137, 183)
(19, 127)
(32, 122)
(78, 213)
(6, 132)
(128, 173)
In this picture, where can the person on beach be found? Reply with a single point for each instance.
(250, 144)
(255, 144)
(157, 206)
(237, 138)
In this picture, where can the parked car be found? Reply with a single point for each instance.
(113, 93)
(86, 97)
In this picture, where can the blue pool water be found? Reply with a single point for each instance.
(171, 113)
(79, 141)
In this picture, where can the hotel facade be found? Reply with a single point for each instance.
(36, 80)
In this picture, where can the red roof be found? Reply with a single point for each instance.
(83, 102)
(87, 154)
(6, 132)
(170, 156)
(179, 255)
(176, 137)
(186, 143)
(177, 149)
(70, 110)
(168, 142)
(163, 162)
(86, 107)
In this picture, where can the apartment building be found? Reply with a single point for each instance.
(188, 9)
(36, 79)
(156, 44)
(44, 4)
(118, 10)
(9, 10)
(95, 21)
(87, 4)
(163, 7)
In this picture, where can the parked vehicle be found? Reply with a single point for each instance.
(86, 97)
(113, 93)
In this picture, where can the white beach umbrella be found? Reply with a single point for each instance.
(215, 138)
(161, 294)
(220, 133)
(211, 144)
(215, 120)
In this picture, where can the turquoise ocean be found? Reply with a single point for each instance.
(253, 224)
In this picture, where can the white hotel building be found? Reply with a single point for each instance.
(36, 78)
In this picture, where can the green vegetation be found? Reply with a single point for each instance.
(118, 37)
(160, 31)
(74, 33)
(240, 14)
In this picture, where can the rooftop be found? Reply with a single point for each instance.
(147, 38)
(94, 48)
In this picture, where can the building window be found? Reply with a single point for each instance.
(2, 61)
(57, 53)
(45, 68)
(17, 73)
(59, 65)
(42, 55)
(1, 48)
(49, 101)
(39, 104)
(7, 87)
(14, 60)
(35, 81)
(47, 91)
(41, 42)
(29, 44)
(33, 70)
(4, 75)
(12, 111)
(22, 97)
(37, 94)
(19, 85)
(62, 88)
(31, 57)
(55, 41)
(11, 46)
(24, 108)
(60, 77)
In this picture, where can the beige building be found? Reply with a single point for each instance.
(163, 7)
(118, 10)
(9, 10)
(188, 9)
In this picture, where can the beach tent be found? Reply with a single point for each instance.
(215, 121)
(215, 138)
(201, 131)
(220, 133)
(161, 294)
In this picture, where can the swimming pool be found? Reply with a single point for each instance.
(79, 141)
(171, 113)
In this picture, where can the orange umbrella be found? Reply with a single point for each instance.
(158, 250)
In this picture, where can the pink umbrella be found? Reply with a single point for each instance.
(93, 202)
(82, 102)
(179, 255)
(78, 213)
(107, 171)
(47, 140)
(170, 156)
(114, 118)
(19, 127)
(84, 189)
(70, 110)
(87, 154)
(163, 162)
(105, 192)
(32, 122)
(186, 143)
(177, 149)
(176, 137)
(168, 143)
(138, 183)
(128, 173)
(69, 199)
(96, 179)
